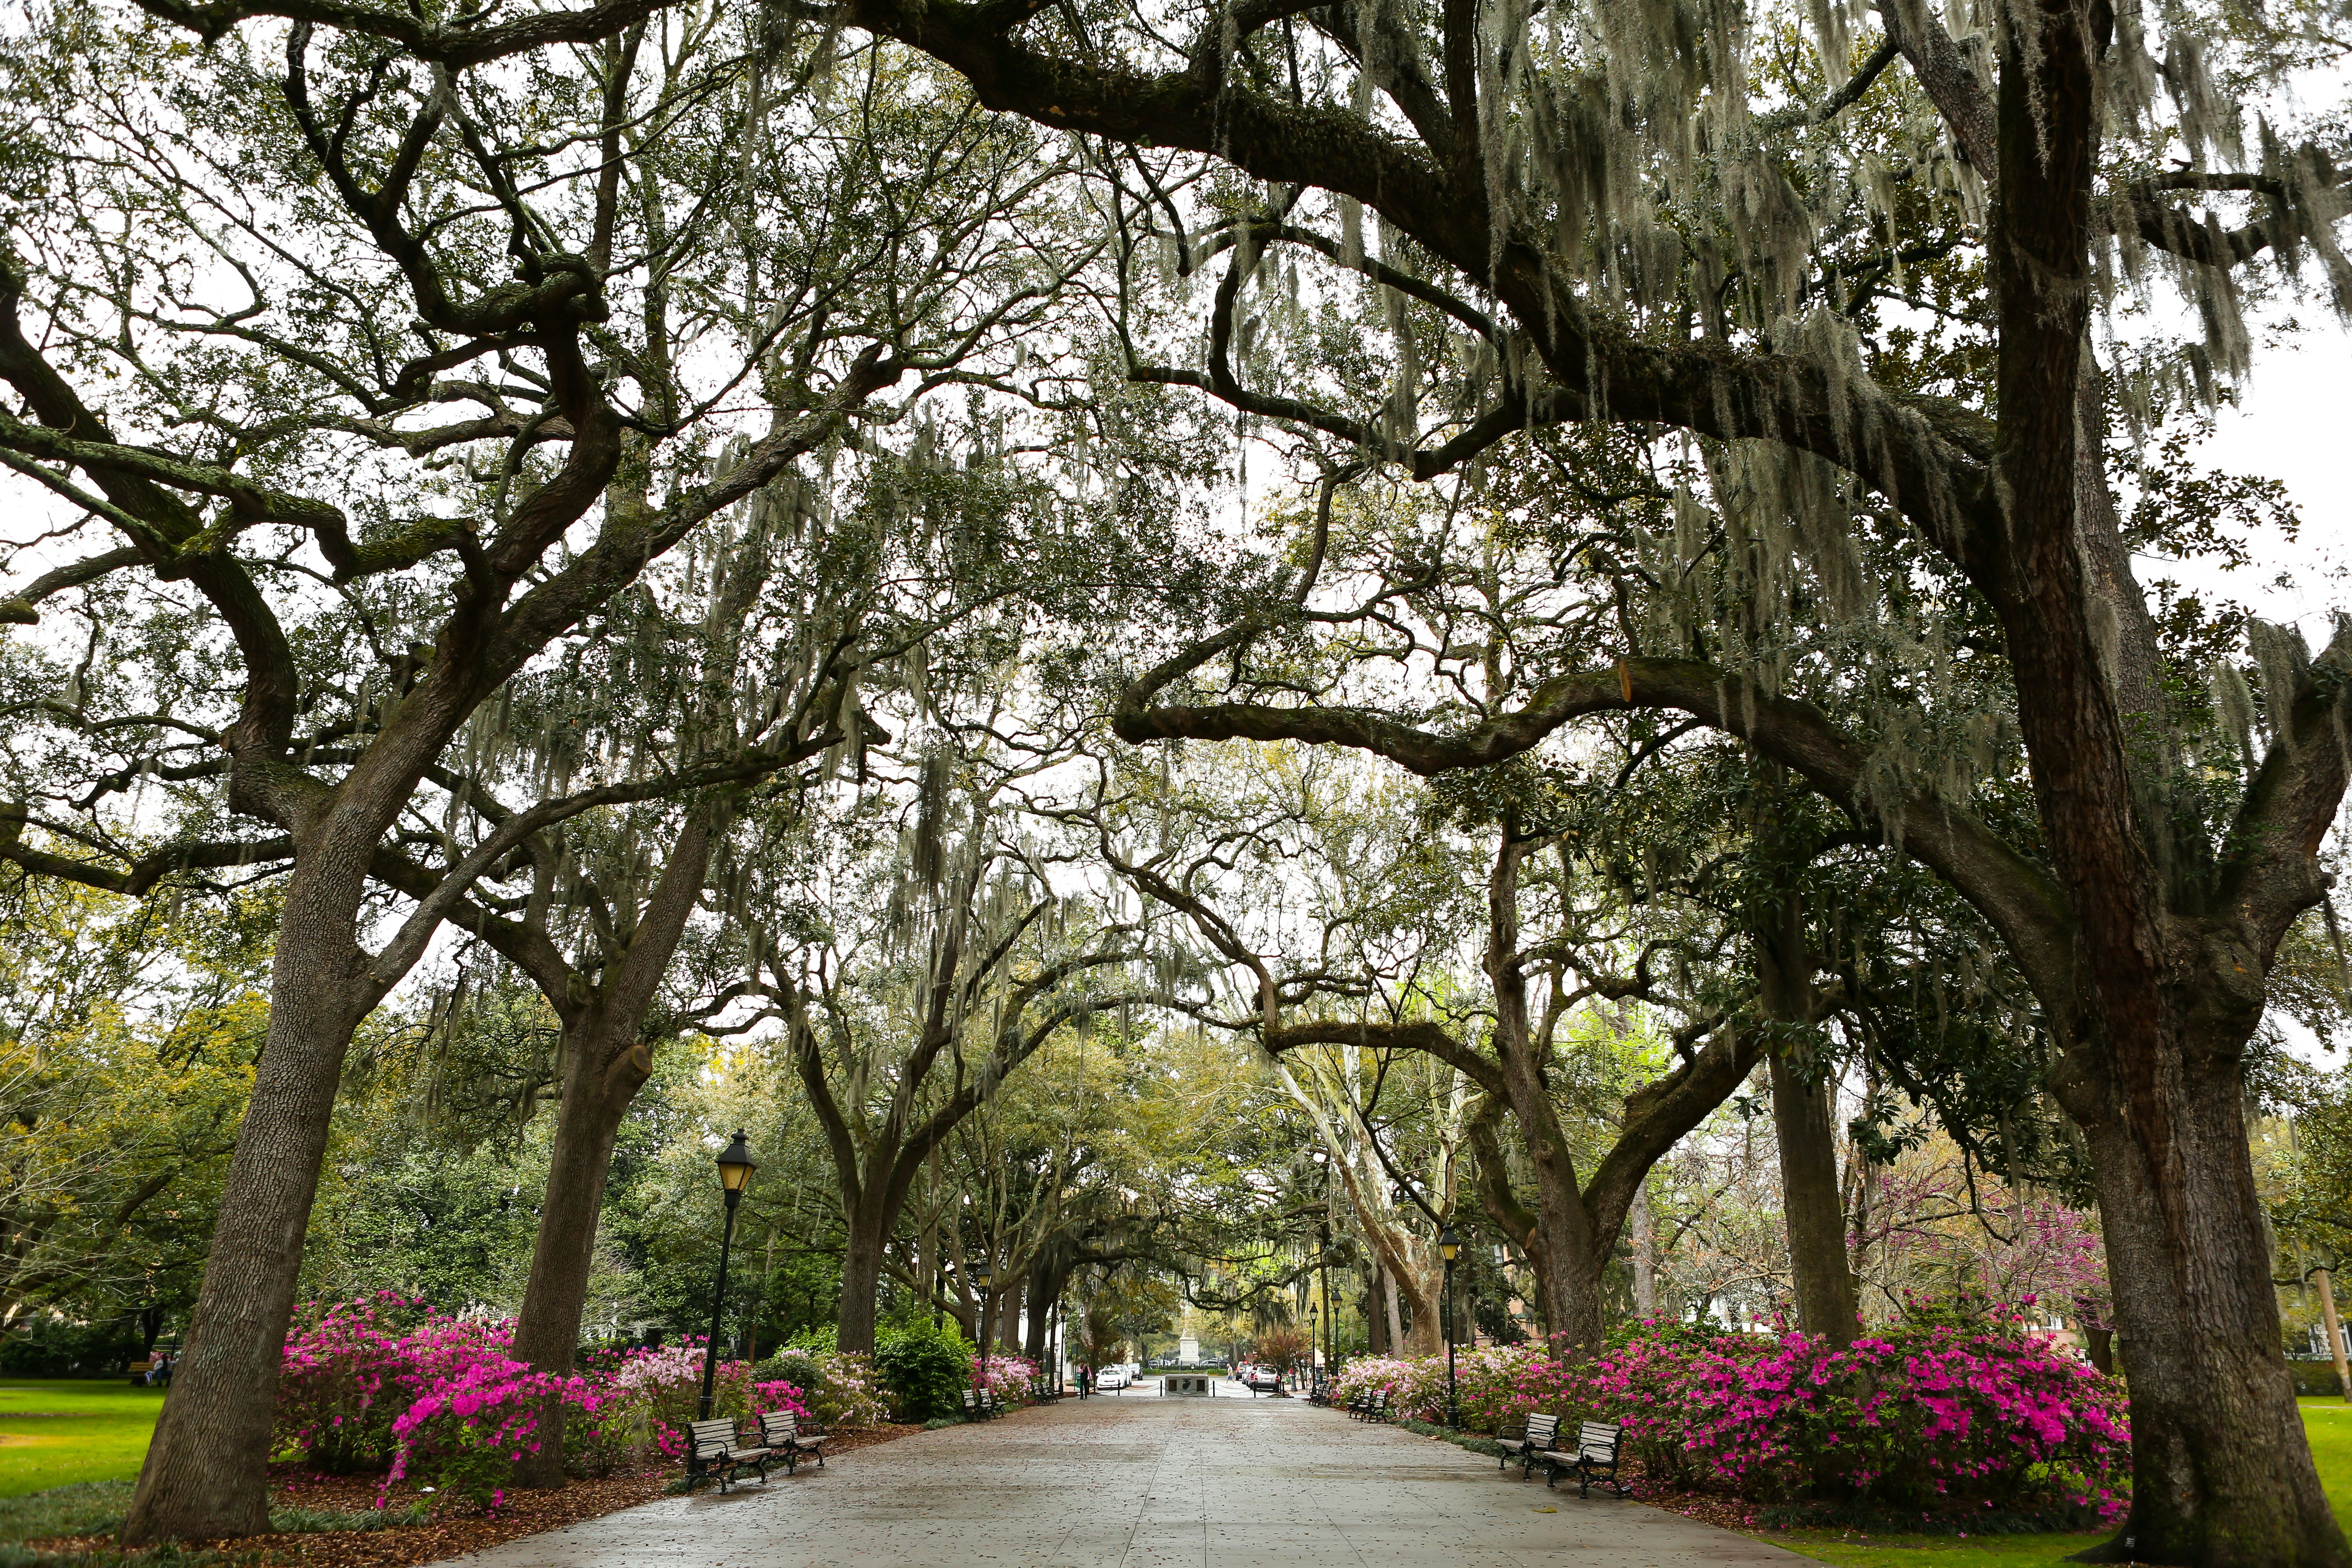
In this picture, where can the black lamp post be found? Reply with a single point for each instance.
(1449, 1247)
(735, 1170)
(982, 1273)
(1323, 1262)
(1316, 1373)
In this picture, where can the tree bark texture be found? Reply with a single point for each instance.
(861, 1278)
(206, 1471)
(1805, 1127)
(1827, 1303)
(606, 1062)
(1644, 1220)
(547, 1329)
(2221, 1471)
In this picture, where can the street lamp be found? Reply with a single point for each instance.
(1449, 1247)
(735, 1170)
(1323, 1261)
(982, 1273)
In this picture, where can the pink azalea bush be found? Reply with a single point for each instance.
(386, 1383)
(1928, 1416)
(1934, 1417)
(468, 1432)
(1009, 1377)
(350, 1369)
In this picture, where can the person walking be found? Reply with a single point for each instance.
(1084, 1380)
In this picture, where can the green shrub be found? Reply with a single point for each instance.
(924, 1370)
(2314, 1379)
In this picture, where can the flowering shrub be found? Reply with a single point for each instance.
(1009, 1377)
(1929, 1418)
(842, 1387)
(1922, 1416)
(350, 1369)
(1417, 1389)
(469, 1432)
(383, 1383)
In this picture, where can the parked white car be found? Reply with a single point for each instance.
(1111, 1377)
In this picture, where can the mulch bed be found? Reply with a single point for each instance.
(463, 1529)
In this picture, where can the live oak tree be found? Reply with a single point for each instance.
(916, 963)
(414, 347)
(1616, 226)
(1388, 971)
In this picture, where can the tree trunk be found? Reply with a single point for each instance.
(1645, 1256)
(1563, 1260)
(2221, 1471)
(547, 1329)
(2335, 1332)
(206, 1471)
(861, 1278)
(1827, 1303)
(2099, 1344)
(1047, 1287)
(1804, 1119)
(605, 1062)
(1008, 1316)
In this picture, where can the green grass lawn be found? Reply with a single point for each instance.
(2328, 1422)
(53, 1434)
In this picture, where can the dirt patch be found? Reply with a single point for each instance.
(460, 1530)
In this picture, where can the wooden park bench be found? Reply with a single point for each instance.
(139, 1369)
(1594, 1460)
(1539, 1435)
(1375, 1407)
(781, 1432)
(714, 1449)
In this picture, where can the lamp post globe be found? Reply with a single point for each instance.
(735, 1168)
(1449, 1247)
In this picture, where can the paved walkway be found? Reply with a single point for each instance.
(1142, 1482)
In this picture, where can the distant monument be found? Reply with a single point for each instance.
(1188, 1351)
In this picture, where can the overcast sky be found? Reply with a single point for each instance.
(2293, 425)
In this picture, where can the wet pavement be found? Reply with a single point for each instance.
(1143, 1482)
